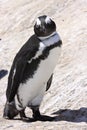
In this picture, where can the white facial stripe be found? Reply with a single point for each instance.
(47, 20)
(38, 22)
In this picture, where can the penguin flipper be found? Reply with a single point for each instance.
(14, 79)
(49, 82)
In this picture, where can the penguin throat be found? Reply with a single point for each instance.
(46, 37)
(51, 39)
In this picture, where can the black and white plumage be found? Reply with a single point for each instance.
(32, 69)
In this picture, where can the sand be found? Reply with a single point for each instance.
(67, 97)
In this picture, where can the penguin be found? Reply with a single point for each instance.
(31, 73)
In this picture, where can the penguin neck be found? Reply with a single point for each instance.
(46, 37)
(51, 39)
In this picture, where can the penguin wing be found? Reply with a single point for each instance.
(49, 82)
(19, 65)
(15, 79)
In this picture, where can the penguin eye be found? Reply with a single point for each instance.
(37, 26)
(48, 25)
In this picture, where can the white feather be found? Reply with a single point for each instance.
(48, 20)
(39, 52)
(38, 22)
(50, 41)
(14, 72)
(17, 104)
(46, 37)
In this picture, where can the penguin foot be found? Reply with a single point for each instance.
(24, 117)
(27, 119)
(44, 118)
(10, 111)
(38, 116)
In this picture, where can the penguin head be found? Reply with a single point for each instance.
(44, 26)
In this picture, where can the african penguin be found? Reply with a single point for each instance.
(32, 70)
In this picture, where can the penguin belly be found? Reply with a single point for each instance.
(31, 93)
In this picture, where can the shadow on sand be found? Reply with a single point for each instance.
(3, 73)
(77, 116)
(68, 115)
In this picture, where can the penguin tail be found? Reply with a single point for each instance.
(10, 110)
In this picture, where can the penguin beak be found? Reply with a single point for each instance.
(42, 29)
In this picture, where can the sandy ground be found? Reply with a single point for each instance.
(67, 97)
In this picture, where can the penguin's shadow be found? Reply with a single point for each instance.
(69, 115)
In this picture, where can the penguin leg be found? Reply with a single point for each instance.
(38, 116)
(22, 114)
(24, 117)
